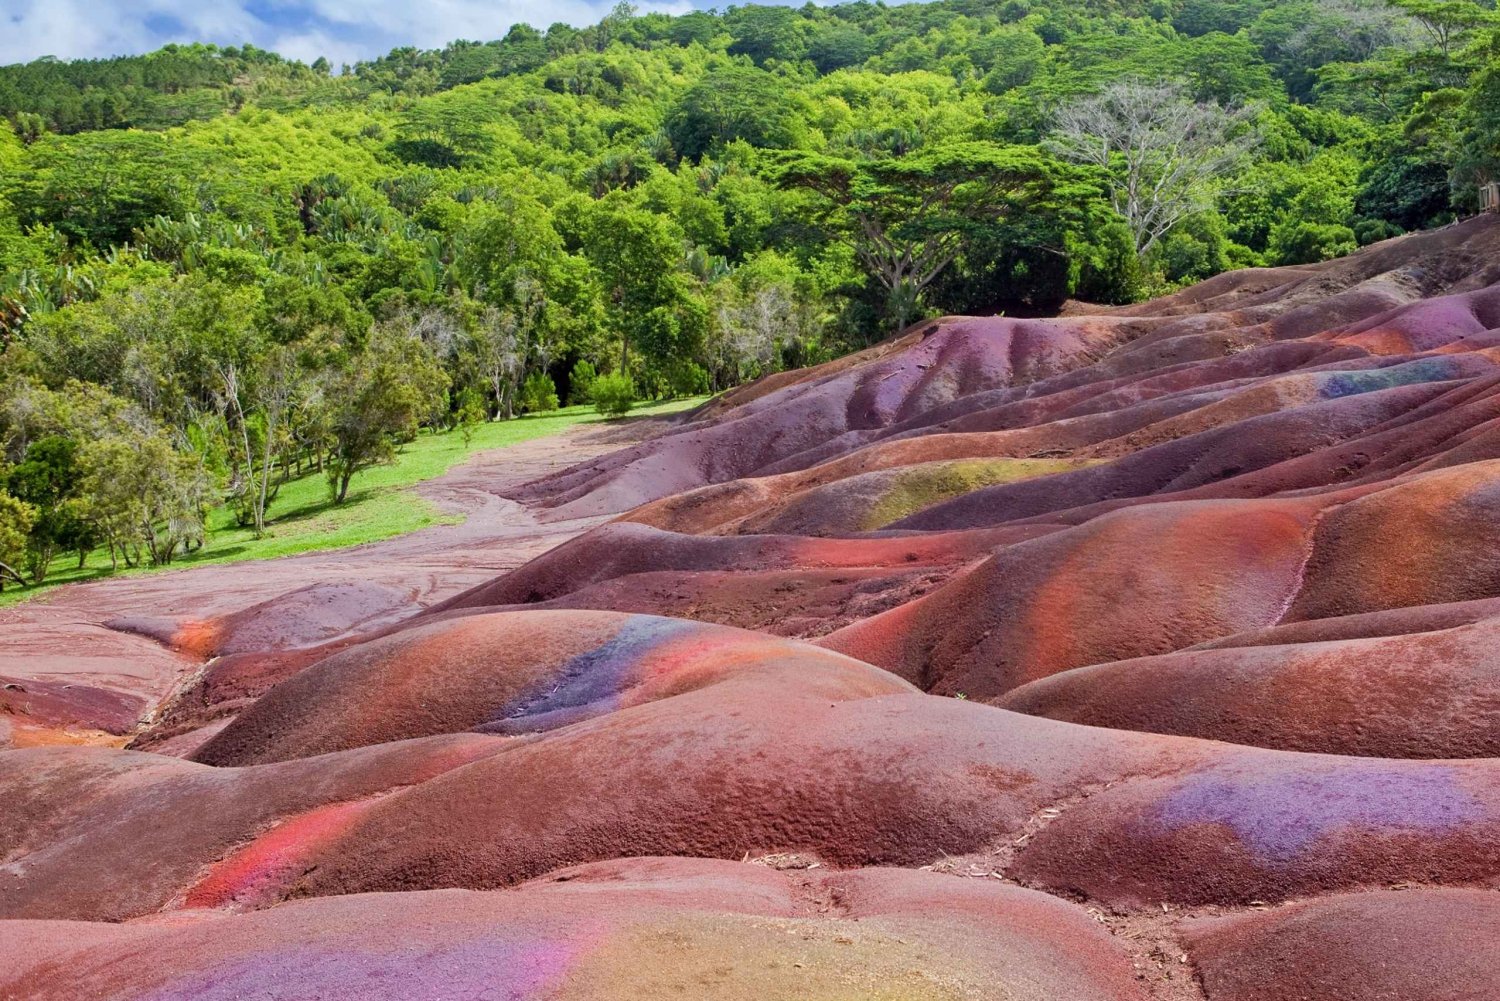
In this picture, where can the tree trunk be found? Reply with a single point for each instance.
(6, 570)
(265, 479)
(43, 565)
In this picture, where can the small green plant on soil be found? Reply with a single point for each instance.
(613, 394)
(538, 393)
(581, 383)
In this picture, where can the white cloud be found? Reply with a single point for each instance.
(342, 30)
(60, 27)
(309, 45)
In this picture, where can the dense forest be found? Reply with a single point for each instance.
(220, 268)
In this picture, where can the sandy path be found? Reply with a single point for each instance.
(68, 676)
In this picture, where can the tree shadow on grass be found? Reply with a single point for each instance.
(57, 578)
(300, 514)
(210, 554)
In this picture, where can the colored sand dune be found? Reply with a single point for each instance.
(1148, 653)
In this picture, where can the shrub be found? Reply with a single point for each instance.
(1311, 242)
(1368, 231)
(470, 412)
(686, 378)
(613, 394)
(581, 382)
(538, 393)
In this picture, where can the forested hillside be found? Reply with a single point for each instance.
(219, 268)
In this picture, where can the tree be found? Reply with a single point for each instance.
(1446, 23)
(502, 355)
(16, 519)
(1405, 187)
(1479, 140)
(444, 133)
(764, 33)
(909, 216)
(539, 393)
(1200, 17)
(748, 331)
(378, 401)
(581, 382)
(141, 492)
(1310, 242)
(735, 102)
(637, 255)
(837, 45)
(757, 323)
(260, 412)
(100, 187)
(48, 479)
(469, 413)
(613, 394)
(1164, 153)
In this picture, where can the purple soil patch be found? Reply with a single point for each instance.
(472, 971)
(1279, 817)
(590, 683)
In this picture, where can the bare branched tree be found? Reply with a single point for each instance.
(438, 328)
(1164, 151)
(531, 300)
(502, 353)
(1360, 28)
(276, 393)
(750, 329)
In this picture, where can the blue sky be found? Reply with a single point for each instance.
(342, 30)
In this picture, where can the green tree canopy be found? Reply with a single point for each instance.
(733, 103)
(908, 217)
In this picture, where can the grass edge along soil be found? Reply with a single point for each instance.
(382, 504)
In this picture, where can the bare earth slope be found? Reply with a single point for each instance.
(1149, 653)
(89, 662)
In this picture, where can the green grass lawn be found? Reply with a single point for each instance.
(381, 502)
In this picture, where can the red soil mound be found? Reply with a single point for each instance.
(105, 835)
(1421, 695)
(937, 363)
(515, 673)
(1431, 539)
(1422, 945)
(299, 618)
(1272, 827)
(52, 705)
(622, 549)
(643, 928)
(1143, 580)
(750, 766)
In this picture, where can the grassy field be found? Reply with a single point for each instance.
(381, 503)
